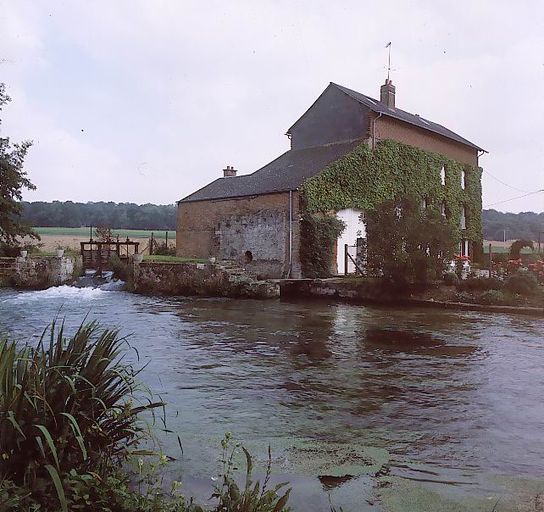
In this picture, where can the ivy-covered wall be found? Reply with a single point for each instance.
(365, 178)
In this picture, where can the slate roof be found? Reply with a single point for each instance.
(285, 173)
(381, 108)
(290, 170)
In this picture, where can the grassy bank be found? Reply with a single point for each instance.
(122, 233)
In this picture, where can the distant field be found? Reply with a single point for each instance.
(499, 247)
(123, 233)
(71, 238)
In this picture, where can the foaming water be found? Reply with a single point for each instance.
(453, 397)
(57, 292)
(114, 285)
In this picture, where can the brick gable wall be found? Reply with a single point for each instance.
(389, 128)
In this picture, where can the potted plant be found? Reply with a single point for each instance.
(24, 254)
(138, 257)
(60, 252)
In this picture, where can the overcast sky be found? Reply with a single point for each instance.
(146, 101)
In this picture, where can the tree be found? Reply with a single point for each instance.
(517, 246)
(103, 233)
(13, 180)
(408, 241)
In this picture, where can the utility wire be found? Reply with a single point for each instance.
(506, 184)
(514, 198)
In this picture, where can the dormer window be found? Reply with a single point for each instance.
(443, 176)
(463, 179)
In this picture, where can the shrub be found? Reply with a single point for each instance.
(493, 297)
(451, 279)
(464, 297)
(522, 283)
(319, 235)
(408, 244)
(66, 405)
(161, 249)
(480, 284)
(120, 269)
(517, 246)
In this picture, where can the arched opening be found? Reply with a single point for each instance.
(248, 256)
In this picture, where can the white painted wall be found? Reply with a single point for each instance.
(355, 228)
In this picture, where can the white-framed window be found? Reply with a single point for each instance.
(463, 179)
(443, 209)
(463, 219)
(464, 248)
(443, 175)
(424, 203)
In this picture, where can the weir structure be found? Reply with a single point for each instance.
(96, 254)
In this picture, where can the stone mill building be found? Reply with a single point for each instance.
(255, 219)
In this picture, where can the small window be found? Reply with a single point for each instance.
(424, 203)
(463, 180)
(463, 220)
(443, 176)
(443, 209)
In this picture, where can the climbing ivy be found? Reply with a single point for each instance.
(365, 178)
(318, 234)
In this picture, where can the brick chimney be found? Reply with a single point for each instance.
(229, 172)
(387, 93)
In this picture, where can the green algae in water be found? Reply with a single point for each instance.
(400, 495)
(334, 459)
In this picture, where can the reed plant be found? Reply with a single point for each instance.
(70, 429)
(67, 405)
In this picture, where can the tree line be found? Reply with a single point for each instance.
(68, 214)
(512, 226)
(525, 225)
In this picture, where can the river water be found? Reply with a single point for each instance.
(429, 409)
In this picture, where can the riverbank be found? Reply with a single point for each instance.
(171, 276)
(372, 291)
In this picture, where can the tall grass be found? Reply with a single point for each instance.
(66, 404)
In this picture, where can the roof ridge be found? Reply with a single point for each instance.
(405, 116)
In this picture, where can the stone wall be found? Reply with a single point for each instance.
(228, 228)
(204, 279)
(258, 240)
(40, 272)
